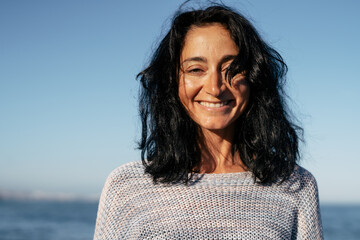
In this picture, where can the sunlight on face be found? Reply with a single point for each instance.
(203, 90)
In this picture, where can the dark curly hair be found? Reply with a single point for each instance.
(265, 138)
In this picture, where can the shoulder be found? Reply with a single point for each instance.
(126, 176)
(302, 176)
(302, 183)
(127, 170)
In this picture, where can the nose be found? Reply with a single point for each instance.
(214, 84)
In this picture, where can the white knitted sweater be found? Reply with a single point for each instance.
(215, 206)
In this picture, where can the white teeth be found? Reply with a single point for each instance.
(213, 105)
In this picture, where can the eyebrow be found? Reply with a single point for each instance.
(197, 59)
(202, 59)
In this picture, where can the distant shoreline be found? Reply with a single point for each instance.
(45, 196)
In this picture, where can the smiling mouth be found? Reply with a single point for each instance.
(214, 105)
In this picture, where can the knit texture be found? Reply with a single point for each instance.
(213, 206)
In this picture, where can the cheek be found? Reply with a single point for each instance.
(242, 93)
(188, 89)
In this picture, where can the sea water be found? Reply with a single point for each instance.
(341, 222)
(46, 220)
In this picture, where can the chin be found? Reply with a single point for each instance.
(215, 127)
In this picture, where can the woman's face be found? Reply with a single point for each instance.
(203, 90)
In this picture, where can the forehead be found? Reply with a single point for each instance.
(208, 39)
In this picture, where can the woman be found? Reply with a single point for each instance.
(218, 149)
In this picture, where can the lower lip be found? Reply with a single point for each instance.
(217, 109)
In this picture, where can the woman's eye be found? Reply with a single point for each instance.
(225, 68)
(195, 70)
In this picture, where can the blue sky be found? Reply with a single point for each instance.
(68, 93)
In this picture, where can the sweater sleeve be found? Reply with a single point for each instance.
(309, 220)
(104, 209)
(111, 215)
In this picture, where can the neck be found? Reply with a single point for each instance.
(217, 154)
